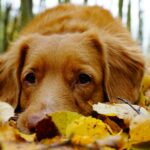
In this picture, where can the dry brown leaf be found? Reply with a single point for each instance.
(46, 129)
(113, 125)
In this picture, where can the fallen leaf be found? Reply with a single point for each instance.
(86, 130)
(22, 146)
(116, 142)
(26, 137)
(8, 133)
(116, 128)
(11, 134)
(55, 124)
(54, 141)
(122, 111)
(140, 129)
(6, 111)
(46, 129)
(63, 119)
(146, 82)
(145, 92)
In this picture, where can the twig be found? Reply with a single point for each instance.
(127, 102)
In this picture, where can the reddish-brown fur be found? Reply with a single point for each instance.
(59, 45)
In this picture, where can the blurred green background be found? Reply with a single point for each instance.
(14, 14)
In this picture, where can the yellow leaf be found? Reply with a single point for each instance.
(146, 82)
(63, 119)
(81, 140)
(26, 137)
(140, 130)
(86, 130)
(49, 141)
(9, 133)
(108, 148)
(144, 97)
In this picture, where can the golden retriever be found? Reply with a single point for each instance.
(67, 58)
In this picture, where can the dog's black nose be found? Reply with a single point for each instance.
(33, 121)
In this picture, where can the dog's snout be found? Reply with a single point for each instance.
(33, 121)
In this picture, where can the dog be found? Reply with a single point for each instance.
(68, 58)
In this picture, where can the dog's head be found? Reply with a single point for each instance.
(42, 74)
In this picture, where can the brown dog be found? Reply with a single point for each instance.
(65, 57)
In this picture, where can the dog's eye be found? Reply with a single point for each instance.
(30, 78)
(84, 78)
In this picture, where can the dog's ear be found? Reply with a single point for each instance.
(123, 66)
(11, 64)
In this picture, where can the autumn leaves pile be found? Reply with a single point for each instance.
(113, 126)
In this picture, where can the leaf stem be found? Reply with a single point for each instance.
(127, 102)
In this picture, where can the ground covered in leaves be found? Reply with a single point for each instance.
(113, 127)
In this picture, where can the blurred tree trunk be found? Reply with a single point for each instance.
(0, 10)
(42, 5)
(14, 29)
(26, 11)
(120, 6)
(148, 50)
(66, 1)
(1, 27)
(140, 29)
(129, 16)
(85, 2)
(5, 26)
(63, 1)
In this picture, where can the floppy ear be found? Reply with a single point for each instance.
(11, 64)
(123, 66)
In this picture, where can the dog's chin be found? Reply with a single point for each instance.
(22, 127)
